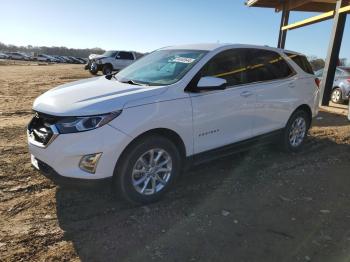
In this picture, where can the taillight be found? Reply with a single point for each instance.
(348, 80)
(317, 81)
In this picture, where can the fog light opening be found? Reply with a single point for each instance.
(88, 163)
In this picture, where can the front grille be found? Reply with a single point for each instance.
(40, 128)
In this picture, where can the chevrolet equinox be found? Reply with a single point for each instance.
(177, 105)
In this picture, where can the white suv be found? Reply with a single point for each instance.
(110, 61)
(176, 105)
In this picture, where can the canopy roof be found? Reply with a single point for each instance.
(296, 5)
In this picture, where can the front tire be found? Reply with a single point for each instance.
(336, 96)
(295, 131)
(93, 68)
(147, 170)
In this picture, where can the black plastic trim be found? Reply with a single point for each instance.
(234, 148)
(60, 180)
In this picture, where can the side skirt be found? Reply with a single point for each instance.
(234, 148)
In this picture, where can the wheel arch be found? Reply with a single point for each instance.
(107, 64)
(173, 136)
(306, 108)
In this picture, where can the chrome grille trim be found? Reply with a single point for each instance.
(41, 130)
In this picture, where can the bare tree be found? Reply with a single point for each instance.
(54, 50)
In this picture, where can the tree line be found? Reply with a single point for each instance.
(53, 50)
(319, 63)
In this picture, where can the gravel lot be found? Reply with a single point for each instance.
(262, 205)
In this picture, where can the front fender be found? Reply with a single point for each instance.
(175, 115)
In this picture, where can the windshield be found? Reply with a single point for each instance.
(110, 53)
(163, 67)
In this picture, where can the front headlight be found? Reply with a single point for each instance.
(84, 123)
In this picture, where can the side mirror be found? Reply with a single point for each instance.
(211, 83)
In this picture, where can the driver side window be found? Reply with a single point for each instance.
(229, 65)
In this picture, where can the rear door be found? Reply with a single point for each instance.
(222, 117)
(273, 81)
(124, 59)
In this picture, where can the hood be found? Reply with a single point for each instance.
(91, 96)
(94, 56)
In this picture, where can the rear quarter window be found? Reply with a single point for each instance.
(302, 62)
(266, 65)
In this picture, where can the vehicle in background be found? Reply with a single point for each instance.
(175, 106)
(54, 59)
(45, 58)
(41, 58)
(111, 61)
(64, 59)
(74, 60)
(78, 60)
(82, 60)
(341, 84)
(3, 56)
(18, 56)
(59, 59)
(68, 59)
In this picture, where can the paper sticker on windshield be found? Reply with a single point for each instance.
(184, 60)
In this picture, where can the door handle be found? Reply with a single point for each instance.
(246, 93)
(291, 85)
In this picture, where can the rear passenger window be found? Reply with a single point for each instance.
(229, 65)
(125, 55)
(302, 62)
(265, 65)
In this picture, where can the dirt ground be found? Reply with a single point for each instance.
(262, 205)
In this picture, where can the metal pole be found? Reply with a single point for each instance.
(332, 55)
(283, 33)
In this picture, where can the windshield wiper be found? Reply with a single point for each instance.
(130, 81)
(133, 82)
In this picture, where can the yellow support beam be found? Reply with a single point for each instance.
(316, 19)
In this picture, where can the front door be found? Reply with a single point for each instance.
(223, 117)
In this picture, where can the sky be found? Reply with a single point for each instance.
(145, 25)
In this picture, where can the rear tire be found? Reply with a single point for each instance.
(147, 170)
(336, 96)
(295, 132)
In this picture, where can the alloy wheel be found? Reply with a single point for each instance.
(152, 171)
(297, 132)
(336, 96)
